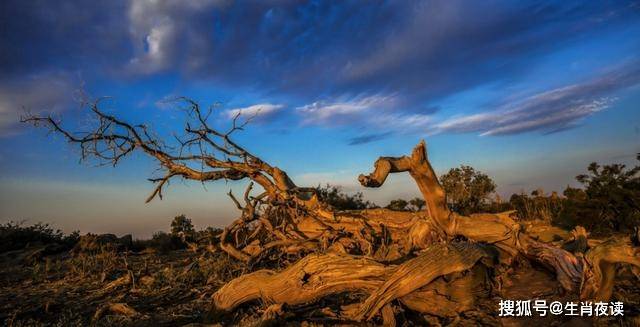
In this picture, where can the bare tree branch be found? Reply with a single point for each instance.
(113, 139)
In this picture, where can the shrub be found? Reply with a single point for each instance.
(537, 206)
(182, 227)
(417, 203)
(336, 197)
(397, 205)
(15, 236)
(609, 202)
(467, 189)
(162, 242)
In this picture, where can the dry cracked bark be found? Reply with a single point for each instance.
(320, 275)
(388, 257)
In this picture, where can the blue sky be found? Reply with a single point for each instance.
(528, 92)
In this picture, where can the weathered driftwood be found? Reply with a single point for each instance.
(390, 257)
(450, 295)
(436, 260)
(317, 276)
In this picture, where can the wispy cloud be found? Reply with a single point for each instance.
(50, 92)
(383, 114)
(550, 111)
(368, 138)
(261, 112)
(346, 111)
(378, 64)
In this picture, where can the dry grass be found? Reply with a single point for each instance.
(108, 288)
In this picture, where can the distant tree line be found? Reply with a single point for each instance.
(607, 201)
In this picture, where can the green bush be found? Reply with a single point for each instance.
(609, 202)
(467, 189)
(417, 204)
(537, 206)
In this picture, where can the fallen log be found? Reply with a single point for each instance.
(436, 260)
(318, 276)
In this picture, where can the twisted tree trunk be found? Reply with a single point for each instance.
(430, 233)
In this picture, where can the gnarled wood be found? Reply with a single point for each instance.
(601, 264)
(437, 260)
(317, 276)
(421, 171)
(497, 229)
(308, 280)
(389, 257)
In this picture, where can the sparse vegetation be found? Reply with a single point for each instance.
(537, 206)
(111, 287)
(611, 199)
(99, 282)
(607, 203)
(340, 200)
(17, 235)
(182, 227)
(417, 204)
(398, 205)
(467, 189)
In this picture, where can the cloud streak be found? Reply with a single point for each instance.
(47, 92)
(258, 112)
(345, 111)
(550, 111)
(368, 138)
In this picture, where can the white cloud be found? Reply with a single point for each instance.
(262, 110)
(344, 112)
(465, 123)
(405, 122)
(161, 31)
(554, 121)
(548, 111)
(524, 118)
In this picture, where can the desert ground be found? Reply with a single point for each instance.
(103, 283)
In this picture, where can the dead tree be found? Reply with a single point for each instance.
(388, 258)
